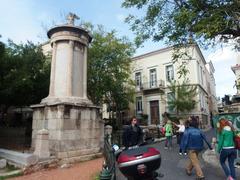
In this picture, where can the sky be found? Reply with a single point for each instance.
(29, 20)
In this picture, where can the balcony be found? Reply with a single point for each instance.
(151, 87)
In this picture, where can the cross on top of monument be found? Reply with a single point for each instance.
(71, 18)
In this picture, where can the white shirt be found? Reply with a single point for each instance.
(181, 128)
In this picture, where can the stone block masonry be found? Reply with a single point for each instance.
(74, 130)
(21, 159)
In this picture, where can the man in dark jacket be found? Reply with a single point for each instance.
(193, 142)
(133, 134)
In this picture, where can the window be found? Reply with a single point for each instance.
(153, 78)
(169, 73)
(204, 78)
(138, 79)
(139, 105)
(170, 97)
(201, 100)
(201, 74)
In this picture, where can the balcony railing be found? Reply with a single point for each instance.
(151, 85)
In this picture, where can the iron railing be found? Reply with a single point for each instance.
(15, 138)
(109, 167)
(151, 85)
(109, 170)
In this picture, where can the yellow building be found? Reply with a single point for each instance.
(153, 73)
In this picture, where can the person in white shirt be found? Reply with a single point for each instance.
(180, 131)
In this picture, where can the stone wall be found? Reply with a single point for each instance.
(74, 130)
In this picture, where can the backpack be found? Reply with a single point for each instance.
(237, 142)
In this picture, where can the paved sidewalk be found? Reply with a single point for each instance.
(82, 171)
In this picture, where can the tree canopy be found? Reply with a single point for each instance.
(109, 59)
(182, 96)
(24, 74)
(177, 21)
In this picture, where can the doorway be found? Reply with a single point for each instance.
(154, 110)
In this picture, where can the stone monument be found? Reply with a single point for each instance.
(73, 122)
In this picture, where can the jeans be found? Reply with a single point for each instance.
(231, 155)
(179, 139)
(168, 141)
(194, 163)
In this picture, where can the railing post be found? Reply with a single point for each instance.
(107, 171)
(105, 174)
(108, 133)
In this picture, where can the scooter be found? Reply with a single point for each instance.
(138, 162)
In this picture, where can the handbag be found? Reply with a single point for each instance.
(163, 131)
(237, 142)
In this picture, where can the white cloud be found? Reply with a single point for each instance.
(223, 59)
(222, 54)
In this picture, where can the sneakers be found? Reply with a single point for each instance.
(200, 178)
(230, 178)
(185, 154)
(188, 173)
(180, 154)
(165, 147)
(160, 175)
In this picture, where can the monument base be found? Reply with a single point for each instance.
(75, 130)
(67, 100)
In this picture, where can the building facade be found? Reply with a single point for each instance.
(153, 73)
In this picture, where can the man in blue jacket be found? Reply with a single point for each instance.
(193, 142)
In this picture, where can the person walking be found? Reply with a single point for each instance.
(168, 133)
(226, 148)
(133, 134)
(180, 131)
(193, 141)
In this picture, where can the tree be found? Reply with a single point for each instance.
(109, 59)
(182, 96)
(177, 21)
(24, 74)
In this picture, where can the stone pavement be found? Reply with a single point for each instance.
(173, 165)
(82, 171)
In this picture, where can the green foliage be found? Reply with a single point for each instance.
(109, 70)
(182, 55)
(207, 22)
(183, 95)
(24, 74)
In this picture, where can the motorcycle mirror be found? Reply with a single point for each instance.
(115, 147)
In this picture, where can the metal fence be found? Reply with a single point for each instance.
(15, 138)
(109, 166)
(109, 169)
